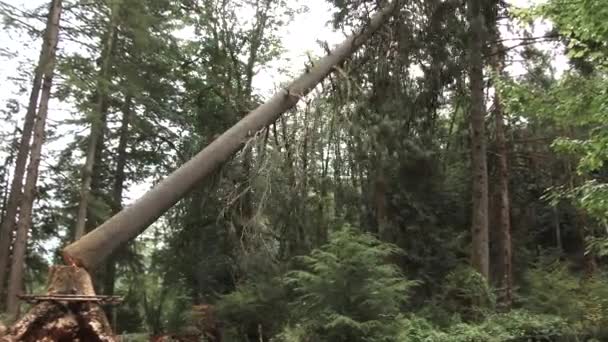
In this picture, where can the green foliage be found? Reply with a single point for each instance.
(583, 23)
(347, 291)
(467, 293)
(553, 289)
(514, 326)
(252, 305)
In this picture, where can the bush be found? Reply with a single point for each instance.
(515, 326)
(553, 289)
(254, 305)
(347, 291)
(465, 296)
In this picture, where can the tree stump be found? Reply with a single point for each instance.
(57, 320)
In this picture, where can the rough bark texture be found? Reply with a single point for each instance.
(29, 193)
(503, 205)
(93, 248)
(14, 198)
(246, 204)
(60, 320)
(97, 129)
(118, 188)
(381, 206)
(479, 219)
(589, 261)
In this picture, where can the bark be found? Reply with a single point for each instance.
(246, 201)
(558, 230)
(503, 205)
(8, 161)
(97, 129)
(380, 206)
(14, 198)
(94, 248)
(118, 186)
(29, 194)
(479, 218)
(589, 261)
(56, 320)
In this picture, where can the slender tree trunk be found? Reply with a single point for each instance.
(93, 248)
(97, 127)
(479, 218)
(118, 186)
(8, 161)
(14, 198)
(558, 231)
(380, 205)
(589, 261)
(246, 203)
(504, 204)
(29, 194)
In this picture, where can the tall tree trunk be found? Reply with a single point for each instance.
(118, 186)
(381, 206)
(109, 273)
(558, 231)
(14, 198)
(589, 261)
(503, 205)
(247, 211)
(8, 161)
(97, 126)
(29, 193)
(479, 218)
(93, 248)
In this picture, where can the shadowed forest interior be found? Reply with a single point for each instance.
(439, 176)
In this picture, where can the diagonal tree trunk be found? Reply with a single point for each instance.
(93, 248)
(479, 220)
(29, 193)
(14, 198)
(97, 126)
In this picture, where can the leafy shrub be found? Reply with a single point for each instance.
(553, 289)
(515, 326)
(467, 293)
(254, 305)
(347, 291)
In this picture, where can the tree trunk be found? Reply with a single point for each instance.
(589, 261)
(479, 218)
(29, 193)
(8, 161)
(118, 187)
(14, 198)
(558, 231)
(380, 206)
(503, 204)
(97, 127)
(94, 248)
(246, 204)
